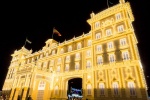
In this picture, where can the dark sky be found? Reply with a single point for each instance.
(35, 20)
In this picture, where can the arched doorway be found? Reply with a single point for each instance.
(74, 88)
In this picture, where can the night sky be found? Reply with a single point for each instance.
(35, 20)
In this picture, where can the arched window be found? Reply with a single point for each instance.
(56, 90)
(89, 87)
(102, 88)
(131, 87)
(115, 88)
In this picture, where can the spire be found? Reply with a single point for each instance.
(122, 1)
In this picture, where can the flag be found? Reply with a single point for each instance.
(56, 32)
(28, 41)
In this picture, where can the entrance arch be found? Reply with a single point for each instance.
(74, 88)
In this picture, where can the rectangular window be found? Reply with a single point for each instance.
(69, 48)
(61, 50)
(118, 16)
(97, 36)
(59, 60)
(53, 52)
(79, 46)
(88, 64)
(110, 45)
(97, 24)
(77, 55)
(125, 55)
(120, 28)
(77, 66)
(123, 42)
(58, 68)
(99, 60)
(88, 53)
(67, 67)
(89, 43)
(108, 32)
(112, 58)
(99, 48)
(67, 58)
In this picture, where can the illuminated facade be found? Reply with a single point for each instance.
(106, 59)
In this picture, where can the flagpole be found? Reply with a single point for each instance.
(53, 32)
(52, 35)
(25, 43)
(107, 4)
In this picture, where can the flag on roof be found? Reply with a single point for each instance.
(56, 32)
(28, 41)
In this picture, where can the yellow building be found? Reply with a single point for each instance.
(105, 60)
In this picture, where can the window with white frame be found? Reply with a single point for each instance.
(111, 58)
(88, 53)
(125, 55)
(33, 59)
(56, 90)
(46, 54)
(39, 64)
(120, 28)
(28, 61)
(52, 62)
(77, 66)
(115, 88)
(69, 48)
(123, 41)
(89, 87)
(45, 64)
(99, 60)
(88, 64)
(67, 67)
(118, 16)
(97, 24)
(53, 52)
(99, 48)
(41, 85)
(110, 45)
(67, 58)
(79, 46)
(131, 87)
(98, 36)
(89, 42)
(51, 69)
(61, 50)
(41, 55)
(102, 88)
(77, 55)
(108, 32)
(59, 60)
(58, 68)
